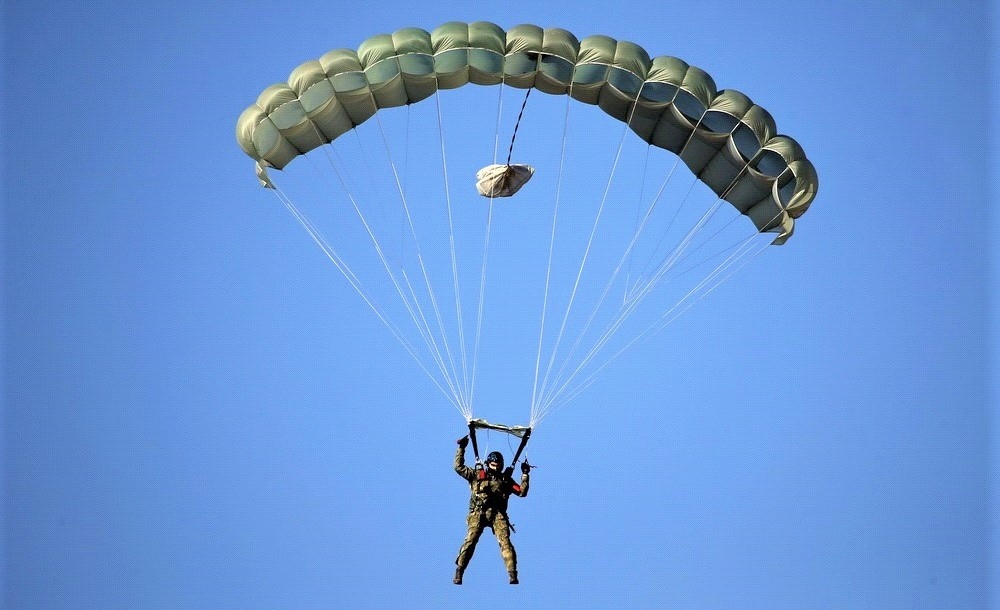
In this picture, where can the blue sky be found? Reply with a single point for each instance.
(198, 411)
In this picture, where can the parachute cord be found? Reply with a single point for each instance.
(638, 211)
(454, 257)
(660, 324)
(428, 338)
(466, 409)
(707, 241)
(630, 292)
(586, 255)
(675, 255)
(663, 186)
(355, 283)
(632, 300)
(626, 309)
(625, 313)
(486, 249)
(743, 254)
(610, 283)
(633, 304)
(413, 307)
(548, 271)
(725, 192)
(406, 174)
(517, 124)
(649, 212)
(419, 254)
(482, 297)
(668, 263)
(579, 274)
(496, 135)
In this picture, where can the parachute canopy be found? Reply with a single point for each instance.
(729, 142)
(500, 303)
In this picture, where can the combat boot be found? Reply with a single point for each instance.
(458, 576)
(513, 577)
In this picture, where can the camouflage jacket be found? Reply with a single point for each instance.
(490, 492)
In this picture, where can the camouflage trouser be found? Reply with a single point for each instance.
(479, 521)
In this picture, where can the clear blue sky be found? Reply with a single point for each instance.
(198, 412)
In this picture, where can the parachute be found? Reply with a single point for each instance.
(666, 108)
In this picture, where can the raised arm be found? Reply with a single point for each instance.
(463, 471)
(522, 488)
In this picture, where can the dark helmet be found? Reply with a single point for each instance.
(495, 456)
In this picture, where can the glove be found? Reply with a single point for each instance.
(464, 441)
(525, 467)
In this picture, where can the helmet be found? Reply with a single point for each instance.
(495, 456)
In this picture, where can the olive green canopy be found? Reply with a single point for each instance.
(729, 142)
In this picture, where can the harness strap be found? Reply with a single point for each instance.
(520, 448)
(475, 445)
(517, 455)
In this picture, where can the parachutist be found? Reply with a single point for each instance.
(491, 489)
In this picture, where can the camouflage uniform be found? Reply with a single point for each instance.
(488, 508)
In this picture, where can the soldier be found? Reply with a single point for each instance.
(491, 488)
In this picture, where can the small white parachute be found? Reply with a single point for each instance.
(502, 180)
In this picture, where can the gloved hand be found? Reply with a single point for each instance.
(463, 442)
(525, 467)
